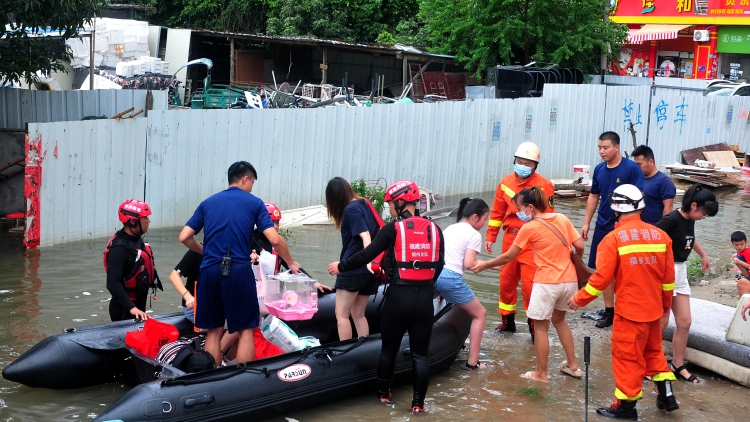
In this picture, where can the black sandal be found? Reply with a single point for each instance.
(677, 373)
(477, 366)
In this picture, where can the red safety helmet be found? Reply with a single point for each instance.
(405, 189)
(133, 209)
(274, 211)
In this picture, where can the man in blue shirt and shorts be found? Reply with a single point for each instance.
(226, 284)
(659, 190)
(615, 170)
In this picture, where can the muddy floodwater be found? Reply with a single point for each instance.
(46, 290)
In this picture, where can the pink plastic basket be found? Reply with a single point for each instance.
(298, 312)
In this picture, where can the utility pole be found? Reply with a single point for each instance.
(605, 53)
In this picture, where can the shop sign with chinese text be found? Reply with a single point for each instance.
(734, 39)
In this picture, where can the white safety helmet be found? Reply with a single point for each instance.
(626, 198)
(529, 151)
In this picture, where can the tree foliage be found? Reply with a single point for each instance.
(219, 15)
(354, 20)
(483, 33)
(22, 53)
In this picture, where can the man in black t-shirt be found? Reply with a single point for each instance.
(188, 267)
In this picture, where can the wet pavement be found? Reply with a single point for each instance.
(47, 290)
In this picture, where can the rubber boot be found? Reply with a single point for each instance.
(606, 321)
(508, 325)
(384, 391)
(665, 400)
(531, 328)
(620, 410)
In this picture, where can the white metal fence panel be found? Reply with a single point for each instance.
(683, 122)
(446, 147)
(626, 80)
(571, 136)
(625, 105)
(21, 106)
(89, 168)
(181, 157)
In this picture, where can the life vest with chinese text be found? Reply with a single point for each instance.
(417, 249)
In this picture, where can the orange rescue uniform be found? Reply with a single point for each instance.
(639, 258)
(503, 216)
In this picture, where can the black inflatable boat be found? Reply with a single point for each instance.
(264, 388)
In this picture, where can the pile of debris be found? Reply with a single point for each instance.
(716, 165)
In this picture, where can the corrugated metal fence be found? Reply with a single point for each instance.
(21, 106)
(449, 147)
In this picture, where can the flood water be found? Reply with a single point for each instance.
(46, 290)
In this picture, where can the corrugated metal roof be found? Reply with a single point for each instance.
(395, 49)
(21, 106)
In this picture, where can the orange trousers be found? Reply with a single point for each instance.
(636, 352)
(523, 268)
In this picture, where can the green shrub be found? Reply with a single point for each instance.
(694, 269)
(375, 193)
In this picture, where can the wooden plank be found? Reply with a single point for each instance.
(722, 158)
(16, 162)
(690, 168)
(700, 180)
(690, 155)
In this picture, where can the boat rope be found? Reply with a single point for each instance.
(316, 352)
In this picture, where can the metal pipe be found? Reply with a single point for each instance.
(91, 56)
(586, 360)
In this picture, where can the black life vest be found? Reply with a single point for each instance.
(142, 275)
(417, 249)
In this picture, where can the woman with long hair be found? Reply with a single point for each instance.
(697, 204)
(555, 280)
(462, 243)
(353, 216)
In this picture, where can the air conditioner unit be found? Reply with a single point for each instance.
(700, 35)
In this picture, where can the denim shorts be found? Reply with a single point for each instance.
(188, 314)
(453, 288)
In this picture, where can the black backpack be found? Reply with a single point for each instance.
(192, 358)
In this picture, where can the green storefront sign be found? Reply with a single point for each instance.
(734, 39)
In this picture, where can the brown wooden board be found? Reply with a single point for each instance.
(722, 158)
(690, 155)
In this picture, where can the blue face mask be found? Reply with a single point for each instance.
(522, 171)
(524, 217)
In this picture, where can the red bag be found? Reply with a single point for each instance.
(377, 263)
(263, 347)
(154, 335)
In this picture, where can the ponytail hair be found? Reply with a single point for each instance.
(470, 206)
(704, 200)
(532, 196)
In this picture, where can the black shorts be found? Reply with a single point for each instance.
(364, 284)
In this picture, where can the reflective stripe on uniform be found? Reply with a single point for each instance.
(403, 241)
(434, 242)
(592, 291)
(508, 191)
(664, 376)
(506, 307)
(620, 395)
(495, 223)
(658, 247)
(668, 286)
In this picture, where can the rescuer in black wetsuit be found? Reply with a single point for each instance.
(413, 262)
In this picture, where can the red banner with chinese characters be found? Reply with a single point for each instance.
(736, 8)
(682, 8)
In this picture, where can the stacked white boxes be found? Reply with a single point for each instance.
(116, 41)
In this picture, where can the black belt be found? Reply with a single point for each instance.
(417, 265)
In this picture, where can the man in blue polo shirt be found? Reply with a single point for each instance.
(615, 170)
(659, 190)
(226, 287)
